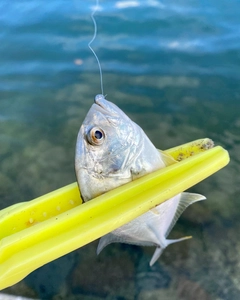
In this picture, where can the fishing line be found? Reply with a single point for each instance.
(93, 38)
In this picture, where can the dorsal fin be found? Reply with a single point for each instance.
(185, 200)
(167, 159)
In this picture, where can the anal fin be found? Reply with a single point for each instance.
(106, 240)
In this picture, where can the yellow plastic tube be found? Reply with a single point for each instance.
(37, 232)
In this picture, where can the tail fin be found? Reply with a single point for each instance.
(159, 250)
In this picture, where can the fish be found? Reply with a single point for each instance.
(112, 150)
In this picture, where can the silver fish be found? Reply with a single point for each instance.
(112, 150)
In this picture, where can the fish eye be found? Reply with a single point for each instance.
(96, 136)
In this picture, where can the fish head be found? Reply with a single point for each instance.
(106, 144)
(111, 150)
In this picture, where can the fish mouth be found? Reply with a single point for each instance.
(99, 108)
(99, 100)
(99, 104)
(106, 106)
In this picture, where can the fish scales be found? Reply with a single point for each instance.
(112, 150)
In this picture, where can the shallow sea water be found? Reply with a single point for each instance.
(173, 67)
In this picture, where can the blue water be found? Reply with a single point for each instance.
(173, 67)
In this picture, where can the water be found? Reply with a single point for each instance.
(173, 67)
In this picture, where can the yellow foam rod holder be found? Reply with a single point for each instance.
(36, 232)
